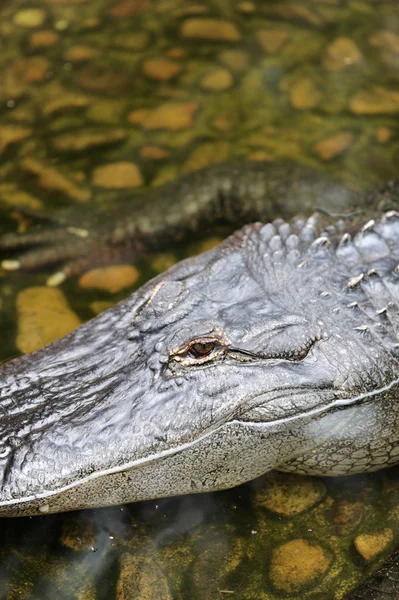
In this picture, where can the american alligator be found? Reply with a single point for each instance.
(277, 349)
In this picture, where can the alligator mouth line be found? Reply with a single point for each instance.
(336, 404)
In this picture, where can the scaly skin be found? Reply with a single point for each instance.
(310, 386)
(233, 193)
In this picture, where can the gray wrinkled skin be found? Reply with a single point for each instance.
(277, 349)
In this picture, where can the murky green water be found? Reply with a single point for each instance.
(100, 100)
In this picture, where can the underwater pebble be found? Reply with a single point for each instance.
(30, 18)
(298, 564)
(64, 102)
(271, 40)
(333, 146)
(153, 152)
(77, 54)
(140, 576)
(217, 80)
(341, 53)
(171, 116)
(129, 8)
(51, 179)
(370, 545)
(236, 60)
(347, 516)
(385, 39)
(375, 101)
(383, 134)
(88, 139)
(161, 69)
(288, 495)
(304, 94)
(111, 279)
(210, 29)
(118, 175)
(43, 315)
(43, 39)
(11, 134)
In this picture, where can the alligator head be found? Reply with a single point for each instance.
(260, 353)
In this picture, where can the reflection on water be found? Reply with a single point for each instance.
(101, 99)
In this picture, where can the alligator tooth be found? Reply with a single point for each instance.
(368, 227)
(372, 274)
(362, 328)
(345, 240)
(347, 251)
(354, 282)
(353, 305)
(391, 215)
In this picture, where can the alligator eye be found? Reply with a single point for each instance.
(201, 349)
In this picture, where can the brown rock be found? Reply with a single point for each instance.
(260, 155)
(192, 9)
(32, 70)
(217, 80)
(289, 495)
(30, 18)
(225, 121)
(236, 60)
(296, 12)
(371, 545)
(161, 69)
(119, 175)
(141, 577)
(43, 316)
(383, 134)
(135, 41)
(52, 180)
(64, 102)
(385, 39)
(12, 134)
(110, 80)
(61, 2)
(271, 40)
(333, 146)
(77, 53)
(88, 139)
(305, 94)
(78, 533)
(129, 8)
(348, 515)
(247, 8)
(171, 116)
(376, 101)
(176, 53)
(209, 153)
(43, 39)
(298, 565)
(15, 197)
(210, 29)
(111, 279)
(341, 53)
(153, 152)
